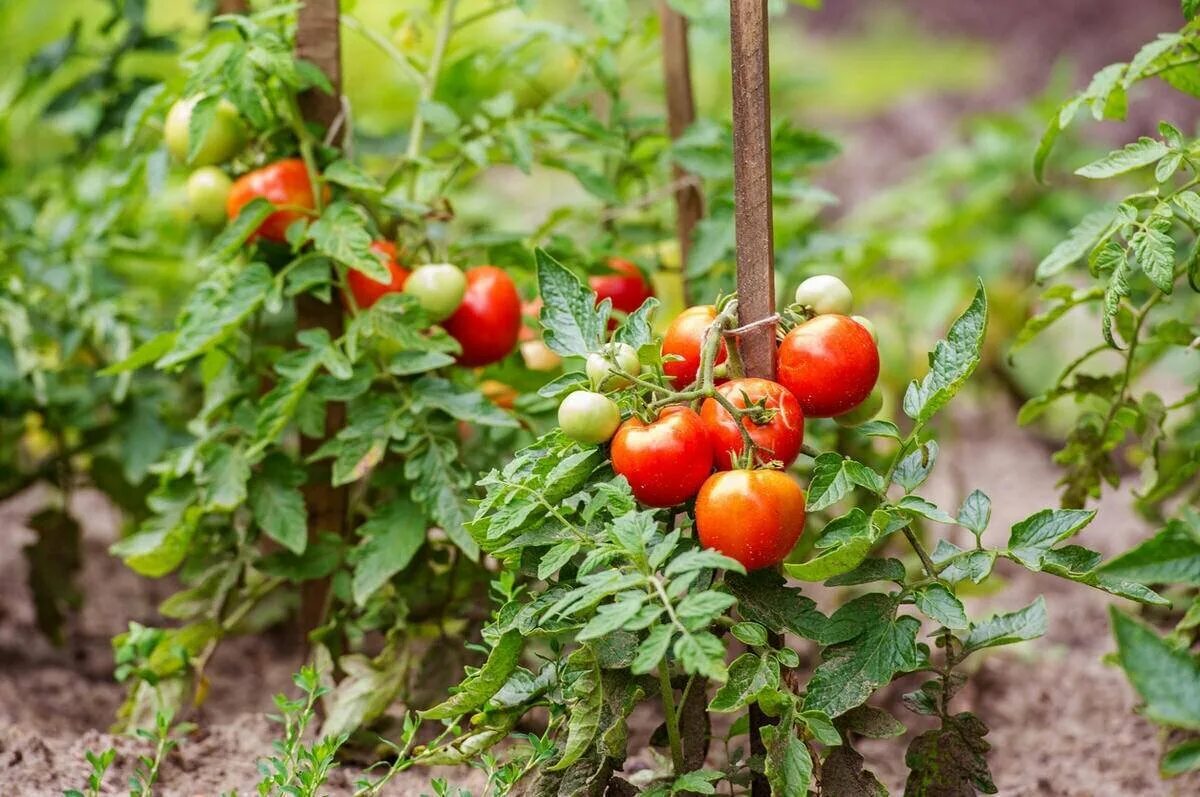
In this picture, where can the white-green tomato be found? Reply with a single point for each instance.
(222, 140)
(438, 288)
(587, 417)
(866, 324)
(864, 412)
(618, 356)
(825, 294)
(207, 192)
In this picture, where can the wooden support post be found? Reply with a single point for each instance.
(232, 7)
(681, 113)
(318, 40)
(753, 219)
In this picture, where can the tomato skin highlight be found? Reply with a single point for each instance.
(284, 184)
(488, 321)
(685, 337)
(366, 290)
(665, 461)
(830, 363)
(778, 439)
(753, 516)
(626, 286)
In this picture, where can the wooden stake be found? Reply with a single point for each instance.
(681, 113)
(753, 217)
(752, 182)
(318, 40)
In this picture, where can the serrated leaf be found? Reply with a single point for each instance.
(1132, 156)
(952, 362)
(652, 649)
(869, 645)
(343, 172)
(1007, 628)
(917, 505)
(440, 394)
(635, 328)
(278, 505)
(1154, 252)
(975, 513)
(1166, 679)
(341, 234)
(834, 476)
(788, 763)
(870, 570)
(1079, 241)
(215, 309)
(572, 325)
(1172, 556)
(940, 605)
(950, 760)
(749, 674)
(763, 597)
(393, 536)
(833, 562)
(584, 717)
(1031, 538)
(914, 468)
(479, 688)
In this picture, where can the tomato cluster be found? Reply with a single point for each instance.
(480, 309)
(750, 508)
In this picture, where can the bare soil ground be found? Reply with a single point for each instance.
(1062, 721)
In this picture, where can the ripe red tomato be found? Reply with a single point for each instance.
(284, 184)
(665, 461)
(684, 338)
(366, 290)
(830, 363)
(777, 439)
(753, 516)
(625, 286)
(488, 321)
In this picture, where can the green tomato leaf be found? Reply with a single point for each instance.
(1166, 679)
(951, 363)
(940, 605)
(1005, 629)
(572, 324)
(1031, 538)
(476, 690)
(1132, 156)
(392, 537)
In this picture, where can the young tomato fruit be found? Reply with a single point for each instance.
(439, 289)
(625, 286)
(588, 417)
(222, 139)
(830, 363)
(777, 439)
(753, 516)
(367, 291)
(207, 191)
(488, 320)
(620, 356)
(665, 461)
(284, 184)
(684, 338)
(868, 325)
(863, 412)
(825, 294)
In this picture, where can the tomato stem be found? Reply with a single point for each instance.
(672, 720)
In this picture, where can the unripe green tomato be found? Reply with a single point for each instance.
(207, 190)
(864, 412)
(222, 140)
(588, 417)
(866, 324)
(825, 294)
(438, 287)
(621, 356)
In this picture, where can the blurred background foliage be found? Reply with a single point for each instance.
(862, 94)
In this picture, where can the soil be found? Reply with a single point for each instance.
(1062, 722)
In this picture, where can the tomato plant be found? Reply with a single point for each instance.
(1141, 255)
